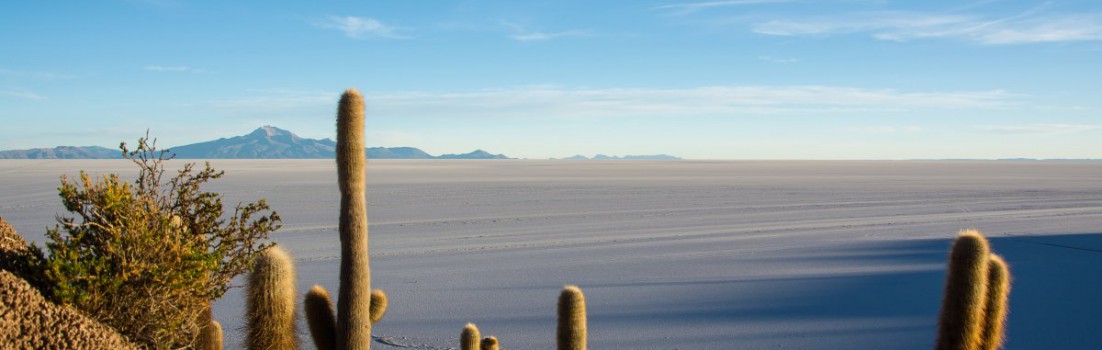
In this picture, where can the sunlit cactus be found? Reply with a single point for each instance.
(960, 325)
(354, 299)
(998, 293)
(378, 305)
(469, 339)
(489, 343)
(572, 319)
(320, 318)
(270, 302)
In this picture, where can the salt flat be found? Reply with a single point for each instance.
(671, 254)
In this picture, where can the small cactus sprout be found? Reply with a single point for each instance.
(215, 340)
(571, 330)
(998, 292)
(319, 315)
(270, 309)
(960, 325)
(378, 305)
(354, 295)
(469, 338)
(489, 343)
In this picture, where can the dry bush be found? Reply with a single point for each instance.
(147, 258)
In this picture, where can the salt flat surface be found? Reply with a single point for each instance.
(671, 254)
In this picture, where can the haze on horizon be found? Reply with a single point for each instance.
(727, 79)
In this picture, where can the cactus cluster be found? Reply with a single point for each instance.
(271, 298)
(974, 306)
(570, 335)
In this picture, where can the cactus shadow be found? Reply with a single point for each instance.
(877, 294)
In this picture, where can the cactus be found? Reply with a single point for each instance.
(998, 292)
(489, 343)
(210, 334)
(378, 305)
(320, 318)
(270, 304)
(571, 330)
(469, 338)
(960, 326)
(214, 342)
(354, 298)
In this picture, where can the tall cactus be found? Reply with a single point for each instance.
(469, 338)
(960, 326)
(572, 319)
(998, 292)
(215, 340)
(354, 298)
(270, 304)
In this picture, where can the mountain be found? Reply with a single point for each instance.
(476, 154)
(627, 157)
(62, 152)
(397, 153)
(264, 142)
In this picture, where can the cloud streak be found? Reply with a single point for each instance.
(20, 93)
(1039, 128)
(1024, 28)
(360, 27)
(557, 102)
(521, 34)
(690, 7)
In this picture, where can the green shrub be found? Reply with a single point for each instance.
(146, 258)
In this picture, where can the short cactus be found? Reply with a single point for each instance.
(214, 342)
(378, 305)
(960, 326)
(320, 318)
(489, 343)
(270, 304)
(469, 338)
(998, 292)
(572, 319)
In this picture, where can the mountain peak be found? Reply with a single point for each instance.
(271, 131)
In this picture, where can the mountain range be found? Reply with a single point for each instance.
(267, 142)
(627, 157)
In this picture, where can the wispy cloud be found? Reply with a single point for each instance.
(181, 69)
(690, 7)
(21, 93)
(1026, 27)
(276, 99)
(361, 27)
(521, 34)
(557, 102)
(910, 129)
(1039, 128)
(32, 74)
(777, 59)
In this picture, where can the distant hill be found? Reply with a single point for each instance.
(62, 152)
(627, 157)
(397, 153)
(266, 142)
(477, 154)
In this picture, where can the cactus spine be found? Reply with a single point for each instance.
(998, 292)
(572, 328)
(320, 318)
(354, 299)
(489, 343)
(270, 309)
(469, 338)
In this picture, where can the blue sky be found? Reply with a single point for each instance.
(735, 79)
